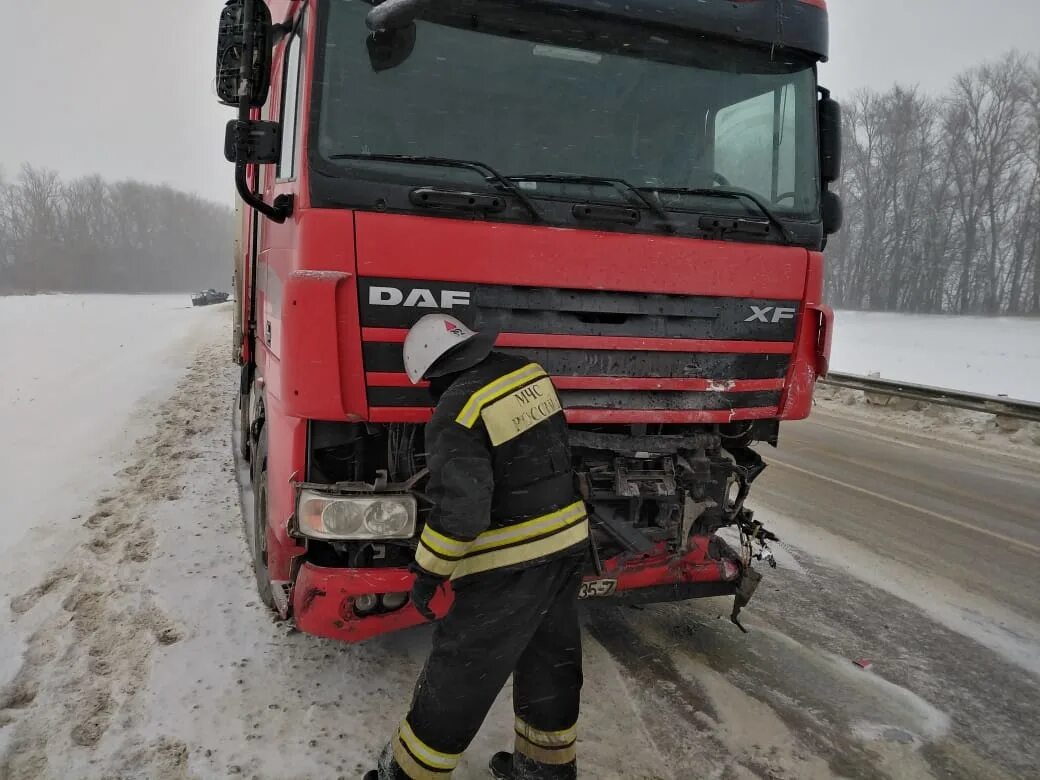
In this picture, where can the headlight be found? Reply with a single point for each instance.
(388, 518)
(322, 516)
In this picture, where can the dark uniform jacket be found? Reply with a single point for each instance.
(500, 474)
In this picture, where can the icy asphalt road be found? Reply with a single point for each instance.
(142, 651)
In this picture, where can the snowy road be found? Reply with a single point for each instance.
(933, 508)
(136, 646)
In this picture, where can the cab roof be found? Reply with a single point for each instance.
(789, 24)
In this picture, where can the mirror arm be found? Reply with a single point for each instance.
(281, 210)
(245, 67)
(279, 31)
(393, 14)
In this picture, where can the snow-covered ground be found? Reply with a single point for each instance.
(133, 645)
(995, 356)
(82, 375)
(74, 367)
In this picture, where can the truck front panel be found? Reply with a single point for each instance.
(631, 330)
(630, 197)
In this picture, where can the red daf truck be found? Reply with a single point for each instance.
(633, 192)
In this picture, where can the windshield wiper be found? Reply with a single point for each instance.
(733, 194)
(617, 184)
(486, 172)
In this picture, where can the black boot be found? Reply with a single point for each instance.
(517, 766)
(372, 774)
(502, 766)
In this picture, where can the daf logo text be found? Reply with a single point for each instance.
(417, 298)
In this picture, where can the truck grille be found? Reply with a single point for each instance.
(614, 356)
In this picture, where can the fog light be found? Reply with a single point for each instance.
(366, 603)
(394, 600)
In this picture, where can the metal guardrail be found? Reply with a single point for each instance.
(999, 405)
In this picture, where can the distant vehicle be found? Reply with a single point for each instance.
(208, 297)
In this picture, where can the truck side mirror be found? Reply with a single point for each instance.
(830, 139)
(231, 48)
(253, 141)
(392, 23)
(389, 48)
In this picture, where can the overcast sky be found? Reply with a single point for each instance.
(125, 87)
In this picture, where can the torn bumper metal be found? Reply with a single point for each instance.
(325, 600)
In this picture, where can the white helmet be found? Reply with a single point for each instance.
(439, 344)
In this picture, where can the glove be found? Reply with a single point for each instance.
(423, 591)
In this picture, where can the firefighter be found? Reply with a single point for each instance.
(509, 531)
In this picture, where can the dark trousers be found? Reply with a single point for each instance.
(523, 623)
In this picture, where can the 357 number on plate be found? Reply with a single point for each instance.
(597, 589)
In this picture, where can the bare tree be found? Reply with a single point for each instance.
(89, 235)
(942, 196)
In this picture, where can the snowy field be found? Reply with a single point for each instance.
(74, 368)
(995, 356)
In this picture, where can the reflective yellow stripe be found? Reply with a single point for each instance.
(447, 557)
(433, 758)
(529, 528)
(554, 756)
(548, 739)
(413, 768)
(489, 392)
(510, 556)
(433, 563)
(444, 545)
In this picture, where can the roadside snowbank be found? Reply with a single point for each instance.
(81, 377)
(93, 358)
(979, 430)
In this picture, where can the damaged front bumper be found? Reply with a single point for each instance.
(325, 600)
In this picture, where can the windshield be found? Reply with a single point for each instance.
(530, 94)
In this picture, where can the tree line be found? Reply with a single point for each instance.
(90, 235)
(942, 196)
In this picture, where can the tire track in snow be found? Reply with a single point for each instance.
(700, 725)
(786, 701)
(89, 658)
(666, 705)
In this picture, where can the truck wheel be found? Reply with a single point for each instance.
(259, 540)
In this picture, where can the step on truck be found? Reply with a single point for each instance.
(634, 193)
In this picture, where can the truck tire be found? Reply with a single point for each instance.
(259, 530)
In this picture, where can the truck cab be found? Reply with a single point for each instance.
(634, 194)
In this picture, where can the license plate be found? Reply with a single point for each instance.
(597, 589)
